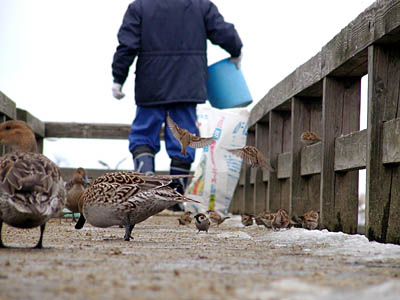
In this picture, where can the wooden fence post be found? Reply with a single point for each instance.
(383, 181)
(248, 191)
(279, 142)
(261, 184)
(304, 190)
(339, 191)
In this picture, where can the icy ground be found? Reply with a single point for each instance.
(357, 249)
(168, 261)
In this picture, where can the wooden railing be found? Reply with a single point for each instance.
(323, 95)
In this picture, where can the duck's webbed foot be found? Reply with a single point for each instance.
(128, 231)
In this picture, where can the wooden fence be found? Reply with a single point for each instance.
(323, 95)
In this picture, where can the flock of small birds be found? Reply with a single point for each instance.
(202, 222)
(281, 219)
(32, 190)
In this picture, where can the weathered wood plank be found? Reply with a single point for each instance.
(378, 176)
(331, 129)
(7, 107)
(300, 121)
(339, 192)
(275, 148)
(263, 143)
(383, 194)
(253, 172)
(260, 192)
(86, 130)
(261, 187)
(241, 176)
(306, 115)
(286, 147)
(391, 142)
(284, 165)
(351, 151)
(386, 21)
(311, 159)
(237, 202)
(248, 192)
(234, 205)
(346, 183)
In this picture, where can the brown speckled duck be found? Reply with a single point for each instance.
(128, 198)
(31, 188)
(75, 187)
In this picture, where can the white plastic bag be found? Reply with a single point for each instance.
(218, 172)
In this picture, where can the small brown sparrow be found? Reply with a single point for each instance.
(185, 138)
(185, 219)
(202, 222)
(215, 217)
(309, 138)
(264, 218)
(281, 219)
(75, 187)
(258, 220)
(309, 220)
(247, 220)
(251, 155)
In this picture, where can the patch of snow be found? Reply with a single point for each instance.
(331, 243)
(234, 221)
(322, 242)
(237, 234)
(294, 289)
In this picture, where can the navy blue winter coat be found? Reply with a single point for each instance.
(169, 37)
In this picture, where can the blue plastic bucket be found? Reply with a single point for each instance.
(226, 86)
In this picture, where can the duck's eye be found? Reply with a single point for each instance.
(8, 127)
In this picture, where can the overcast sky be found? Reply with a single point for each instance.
(55, 59)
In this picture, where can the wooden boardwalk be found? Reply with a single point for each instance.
(322, 95)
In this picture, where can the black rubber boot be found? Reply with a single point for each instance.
(143, 159)
(179, 167)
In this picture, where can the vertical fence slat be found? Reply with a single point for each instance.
(275, 148)
(248, 192)
(383, 194)
(260, 187)
(300, 121)
(339, 192)
(286, 148)
(306, 115)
